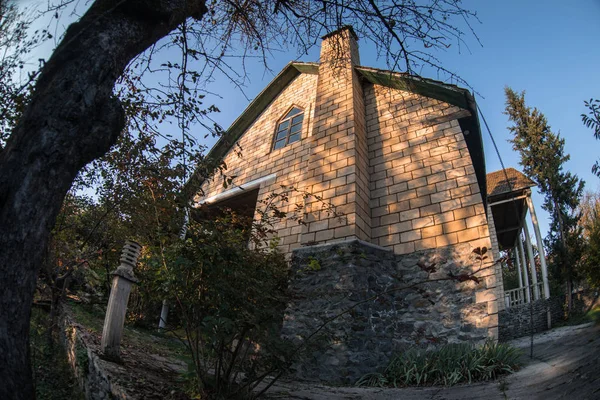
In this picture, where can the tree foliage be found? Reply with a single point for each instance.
(590, 222)
(543, 160)
(72, 117)
(592, 121)
(229, 301)
(16, 44)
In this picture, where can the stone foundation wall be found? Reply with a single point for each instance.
(514, 322)
(344, 279)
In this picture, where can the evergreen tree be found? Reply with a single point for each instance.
(543, 158)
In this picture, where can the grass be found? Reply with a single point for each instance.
(594, 315)
(152, 341)
(447, 365)
(52, 374)
(581, 318)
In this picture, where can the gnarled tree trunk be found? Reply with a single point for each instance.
(73, 118)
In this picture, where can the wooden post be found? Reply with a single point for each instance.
(536, 289)
(164, 311)
(164, 314)
(114, 320)
(518, 262)
(524, 270)
(540, 245)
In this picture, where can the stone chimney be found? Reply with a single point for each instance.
(338, 163)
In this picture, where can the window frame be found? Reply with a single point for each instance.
(288, 128)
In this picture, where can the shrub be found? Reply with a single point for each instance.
(447, 365)
(229, 300)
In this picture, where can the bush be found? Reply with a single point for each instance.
(229, 300)
(447, 365)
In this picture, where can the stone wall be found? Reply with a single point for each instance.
(514, 322)
(90, 370)
(333, 278)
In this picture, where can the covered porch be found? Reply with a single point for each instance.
(508, 204)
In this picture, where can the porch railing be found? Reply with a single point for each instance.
(514, 297)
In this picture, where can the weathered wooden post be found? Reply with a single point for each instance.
(114, 320)
(164, 314)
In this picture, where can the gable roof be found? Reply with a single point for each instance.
(506, 181)
(258, 105)
(445, 92)
(451, 94)
(439, 90)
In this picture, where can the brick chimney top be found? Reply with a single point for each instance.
(340, 30)
(340, 48)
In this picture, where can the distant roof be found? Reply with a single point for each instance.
(497, 182)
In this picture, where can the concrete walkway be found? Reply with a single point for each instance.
(565, 365)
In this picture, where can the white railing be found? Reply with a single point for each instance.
(540, 286)
(514, 297)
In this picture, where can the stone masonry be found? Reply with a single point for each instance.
(358, 282)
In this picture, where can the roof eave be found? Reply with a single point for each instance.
(447, 93)
(257, 106)
(246, 118)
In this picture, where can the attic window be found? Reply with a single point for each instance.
(289, 128)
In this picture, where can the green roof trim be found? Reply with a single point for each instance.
(450, 94)
(426, 87)
(257, 106)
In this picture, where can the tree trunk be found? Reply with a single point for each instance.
(566, 266)
(72, 119)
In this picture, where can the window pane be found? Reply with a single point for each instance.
(297, 119)
(296, 128)
(283, 125)
(294, 138)
(281, 135)
(293, 111)
(279, 144)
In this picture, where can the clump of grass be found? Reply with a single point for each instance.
(447, 365)
(594, 315)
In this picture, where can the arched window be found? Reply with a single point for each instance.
(289, 128)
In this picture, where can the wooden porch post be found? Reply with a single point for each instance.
(518, 264)
(524, 268)
(540, 245)
(536, 289)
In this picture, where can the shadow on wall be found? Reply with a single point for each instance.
(344, 280)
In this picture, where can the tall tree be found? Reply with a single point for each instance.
(73, 115)
(543, 159)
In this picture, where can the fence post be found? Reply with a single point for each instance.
(164, 314)
(114, 320)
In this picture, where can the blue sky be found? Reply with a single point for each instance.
(549, 49)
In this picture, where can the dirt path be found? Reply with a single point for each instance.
(566, 365)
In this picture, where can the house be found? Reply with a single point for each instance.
(402, 158)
